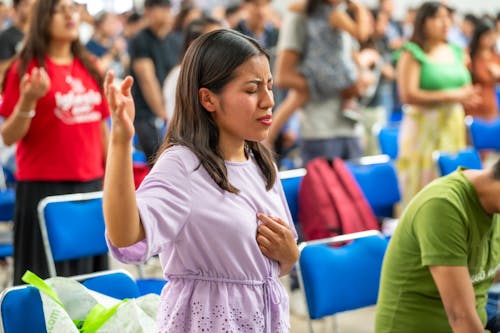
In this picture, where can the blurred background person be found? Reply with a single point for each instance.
(134, 23)
(233, 15)
(433, 82)
(4, 16)
(108, 45)
(256, 23)
(187, 13)
(193, 30)
(460, 33)
(11, 38)
(485, 69)
(408, 22)
(86, 28)
(497, 27)
(53, 107)
(152, 56)
(320, 69)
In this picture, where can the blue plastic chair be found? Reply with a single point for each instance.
(72, 227)
(485, 135)
(338, 279)
(118, 283)
(388, 141)
(21, 308)
(377, 177)
(290, 180)
(449, 162)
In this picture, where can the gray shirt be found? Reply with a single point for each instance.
(321, 119)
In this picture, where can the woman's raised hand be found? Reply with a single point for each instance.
(121, 107)
(35, 85)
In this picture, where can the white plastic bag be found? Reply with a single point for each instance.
(70, 307)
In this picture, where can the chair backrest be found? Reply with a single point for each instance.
(388, 140)
(377, 177)
(117, 283)
(290, 180)
(72, 227)
(449, 162)
(21, 308)
(484, 134)
(337, 279)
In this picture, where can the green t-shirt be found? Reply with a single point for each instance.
(437, 75)
(444, 225)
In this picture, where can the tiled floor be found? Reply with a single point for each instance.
(358, 321)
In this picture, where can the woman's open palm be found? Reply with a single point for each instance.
(121, 107)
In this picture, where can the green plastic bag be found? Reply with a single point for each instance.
(70, 307)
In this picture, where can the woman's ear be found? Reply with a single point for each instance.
(207, 99)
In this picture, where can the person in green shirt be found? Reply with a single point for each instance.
(443, 257)
(434, 85)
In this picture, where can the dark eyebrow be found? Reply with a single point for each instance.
(259, 81)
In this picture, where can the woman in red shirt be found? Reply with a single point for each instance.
(485, 68)
(55, 111)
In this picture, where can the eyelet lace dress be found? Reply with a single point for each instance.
(218, 279)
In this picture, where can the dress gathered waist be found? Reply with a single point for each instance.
(273, 293)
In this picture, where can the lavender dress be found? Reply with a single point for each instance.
(219, 281)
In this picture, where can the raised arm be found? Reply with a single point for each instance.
(121, 215)
(455, 287)
(359, 28)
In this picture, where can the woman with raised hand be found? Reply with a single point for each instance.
(55, 111)
(212, 207)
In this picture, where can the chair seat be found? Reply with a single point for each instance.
(150, 286)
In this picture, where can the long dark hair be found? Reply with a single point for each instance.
(425, 11)
(482, 26)
(210, 62)
(38, 39)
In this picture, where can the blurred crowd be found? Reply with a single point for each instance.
(341, 71)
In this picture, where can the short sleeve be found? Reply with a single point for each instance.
(416, 51)
(164, 204)
(441, 233)
(11, 92)
(293, 32)
(139, 47)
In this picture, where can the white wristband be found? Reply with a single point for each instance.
(30, 114)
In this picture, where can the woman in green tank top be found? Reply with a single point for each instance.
(433, 83)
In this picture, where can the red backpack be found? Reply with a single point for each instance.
(331, 202)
